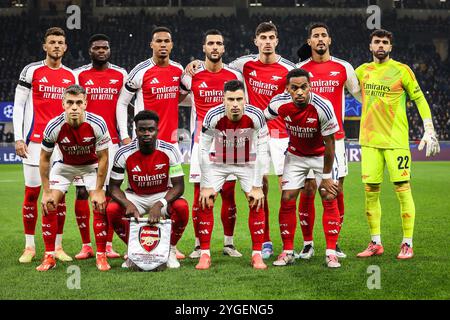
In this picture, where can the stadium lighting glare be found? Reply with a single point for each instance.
(255, 4)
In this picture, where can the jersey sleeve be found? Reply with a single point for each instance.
(119, 164)
(186, 82)
(410, 83)
(352, 83)
(175, 162)
(271, 112)
(237, 64)
(21, 96)
(102, 137)
(51, 135)
(327, 118)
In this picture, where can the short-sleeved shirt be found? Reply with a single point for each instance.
(306, 125)
(147, 173)
(384, 87)
(78, 146)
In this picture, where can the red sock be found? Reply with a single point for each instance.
(180, 217)
(61, 214)
(256, 224)
(29, 209)
(100, 230)
(82, 214)
(307, 215)
(330, 221)
(288, 223)
(228, 211)
(49, 229)
(205, 227)
(266, 221)
(109, 237)
(195, 208)
(115, 213)
(340, 203)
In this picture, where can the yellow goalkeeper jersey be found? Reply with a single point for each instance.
(383, 118)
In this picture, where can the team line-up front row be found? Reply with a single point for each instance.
(261, 108)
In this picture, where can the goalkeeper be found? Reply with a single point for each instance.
(384, 137)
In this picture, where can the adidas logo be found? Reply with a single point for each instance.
(203, 85)
(311, 75)
(89, 83)
(285, 232)
(253, 73)
(82, 226)
(136, 169)
(65, 140)
(287, 119)
(102, 234)
(260, 231)
(303, 223)
(43, 80)
(203, 231)
(333, 231)
(154, 81)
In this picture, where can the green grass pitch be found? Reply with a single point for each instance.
(426, 276)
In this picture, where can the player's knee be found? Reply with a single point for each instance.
(265, 185)
(32, 194)
(180, 208)
(402, 186)
(227, 191)
(372, 187)
(310, 187)
(114, 209)
(288, 197)
(82, 193)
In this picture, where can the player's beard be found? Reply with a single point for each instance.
(212, 59)
(100, 62)
(382, 56)
(320, 52)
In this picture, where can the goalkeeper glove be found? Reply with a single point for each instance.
(429, 138)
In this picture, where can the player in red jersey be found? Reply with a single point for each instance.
(206, 87)
(83, 140)
(311, 123)
(150, 165)
(265, 76)
(37, 100)
(156, 83)
(329, 78)
(234, 140)
(103, 82)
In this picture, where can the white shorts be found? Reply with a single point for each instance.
(277, 151)
(112, 149)
(144, 203)
(340, 160)
(195, 173)
(31, 163)
(219, 173)
(62, 175)
(297, 168)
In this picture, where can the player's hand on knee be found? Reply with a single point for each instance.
(98, 200)
(192, 67)
(47, 202)
(207, 197)
(328, 189)
(154, 214)
(132, 212)
(21, 149)
(256, 198)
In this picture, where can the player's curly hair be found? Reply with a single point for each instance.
(381, 33)
(295, 73)
(97, 37)
(146, 115)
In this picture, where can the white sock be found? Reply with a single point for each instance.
(376, 239)
(288, 251)
(98, 253)
(197, 242)
(29, 241)
(173, 248)
(305, 243)
(58, 241)
(408, 241)
(109, 244)
(255, 252)
(206, 252)
(228, 240)
(330, 251)
(50, 252)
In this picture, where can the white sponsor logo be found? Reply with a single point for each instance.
(276, 78)
(311, 120)
(113, 81)
(65, 140)
(43, 80)
(67, 81)
(175, 79)
(159, 166)
(154, 81)
(136, 169)
(89, 83)
(203, 85)
(88, 139)
(253, 73)
(334, 73)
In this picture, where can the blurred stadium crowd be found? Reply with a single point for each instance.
(130, 34)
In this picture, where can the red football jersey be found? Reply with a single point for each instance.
(263, 82)
(306, 126)
(44, 99)
(79, 145)
(158, 89)
(329, 79)
(103, 89)
(147, 173)
(206, 92)
(235, 142)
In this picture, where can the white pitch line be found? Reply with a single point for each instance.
(7, 181)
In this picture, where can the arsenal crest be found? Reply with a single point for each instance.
(149, 237)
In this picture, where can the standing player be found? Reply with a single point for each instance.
(237, 133)
(206, 87)
(311, 124)
(83, 139)
(37, 100)
(265, 77)
(384, 137)
(329, 77)
(150, 165)
(103, 82)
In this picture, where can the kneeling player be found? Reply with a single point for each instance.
(150, 164)
(83, 140)
(240, 137)
(311, 123)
